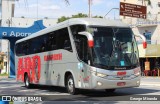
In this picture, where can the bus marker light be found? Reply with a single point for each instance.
(121, 83)
(137, 72)
(144, 45)
(99, 83)
(90, 43)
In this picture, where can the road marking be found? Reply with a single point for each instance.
(150, 84)
(6, 87)
(54, 94)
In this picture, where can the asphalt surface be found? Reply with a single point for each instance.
(150, 87)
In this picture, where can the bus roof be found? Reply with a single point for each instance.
(74, 21)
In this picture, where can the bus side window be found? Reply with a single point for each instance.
(25, 48)
(43, 45)
(82, 47)
(52, 41)
(33, 46)
(19, 49)
(63, 40)
(67, 45)
(77, 28)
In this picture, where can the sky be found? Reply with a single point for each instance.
(58, 8)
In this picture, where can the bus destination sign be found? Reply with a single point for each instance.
(132, 10)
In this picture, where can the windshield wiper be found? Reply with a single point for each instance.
(101, 66)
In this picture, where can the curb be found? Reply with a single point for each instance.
(150, 77)
(3, 77)
(150, 84)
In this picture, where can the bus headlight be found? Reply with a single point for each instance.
(137, 73)
(100, 75)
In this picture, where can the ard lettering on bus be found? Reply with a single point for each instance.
(20, 69)
(31, 65)
(53, 57)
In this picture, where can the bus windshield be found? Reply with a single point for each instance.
(113, 47)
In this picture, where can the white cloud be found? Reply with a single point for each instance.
(96, 2)
(45, 8)
(58, 8)
(53, 7)
(50, 11)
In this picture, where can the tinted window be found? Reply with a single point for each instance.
(114, 47)
(77, 28)
(58, 39)
(81, 43)
(63, 41)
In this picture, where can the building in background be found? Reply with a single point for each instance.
(3, 63)
(7, 19)
(150, 27)
(4, 53)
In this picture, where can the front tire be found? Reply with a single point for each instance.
(70, 85)
(27, 82)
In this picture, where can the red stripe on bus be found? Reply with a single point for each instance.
(53, 57)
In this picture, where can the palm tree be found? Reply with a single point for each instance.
(149, 2)
(67, 1)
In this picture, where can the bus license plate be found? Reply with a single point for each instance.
(121, 83)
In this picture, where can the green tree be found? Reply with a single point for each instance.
(1, 66)
(97, 16)
(149, 2)
(63, 18)
(79, 15)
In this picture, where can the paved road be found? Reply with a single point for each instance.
(149, 86)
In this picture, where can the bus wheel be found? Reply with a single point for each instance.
(110, 90)
(70, 85)
(26, 81)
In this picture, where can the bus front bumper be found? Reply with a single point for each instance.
(103, 83)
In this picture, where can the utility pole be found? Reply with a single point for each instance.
(37, 9)
(89, 3)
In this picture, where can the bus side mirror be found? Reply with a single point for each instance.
(89, 37)
(143, 39)
(144, 45)
(90, 43)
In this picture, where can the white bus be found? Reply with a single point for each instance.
(84, 53)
